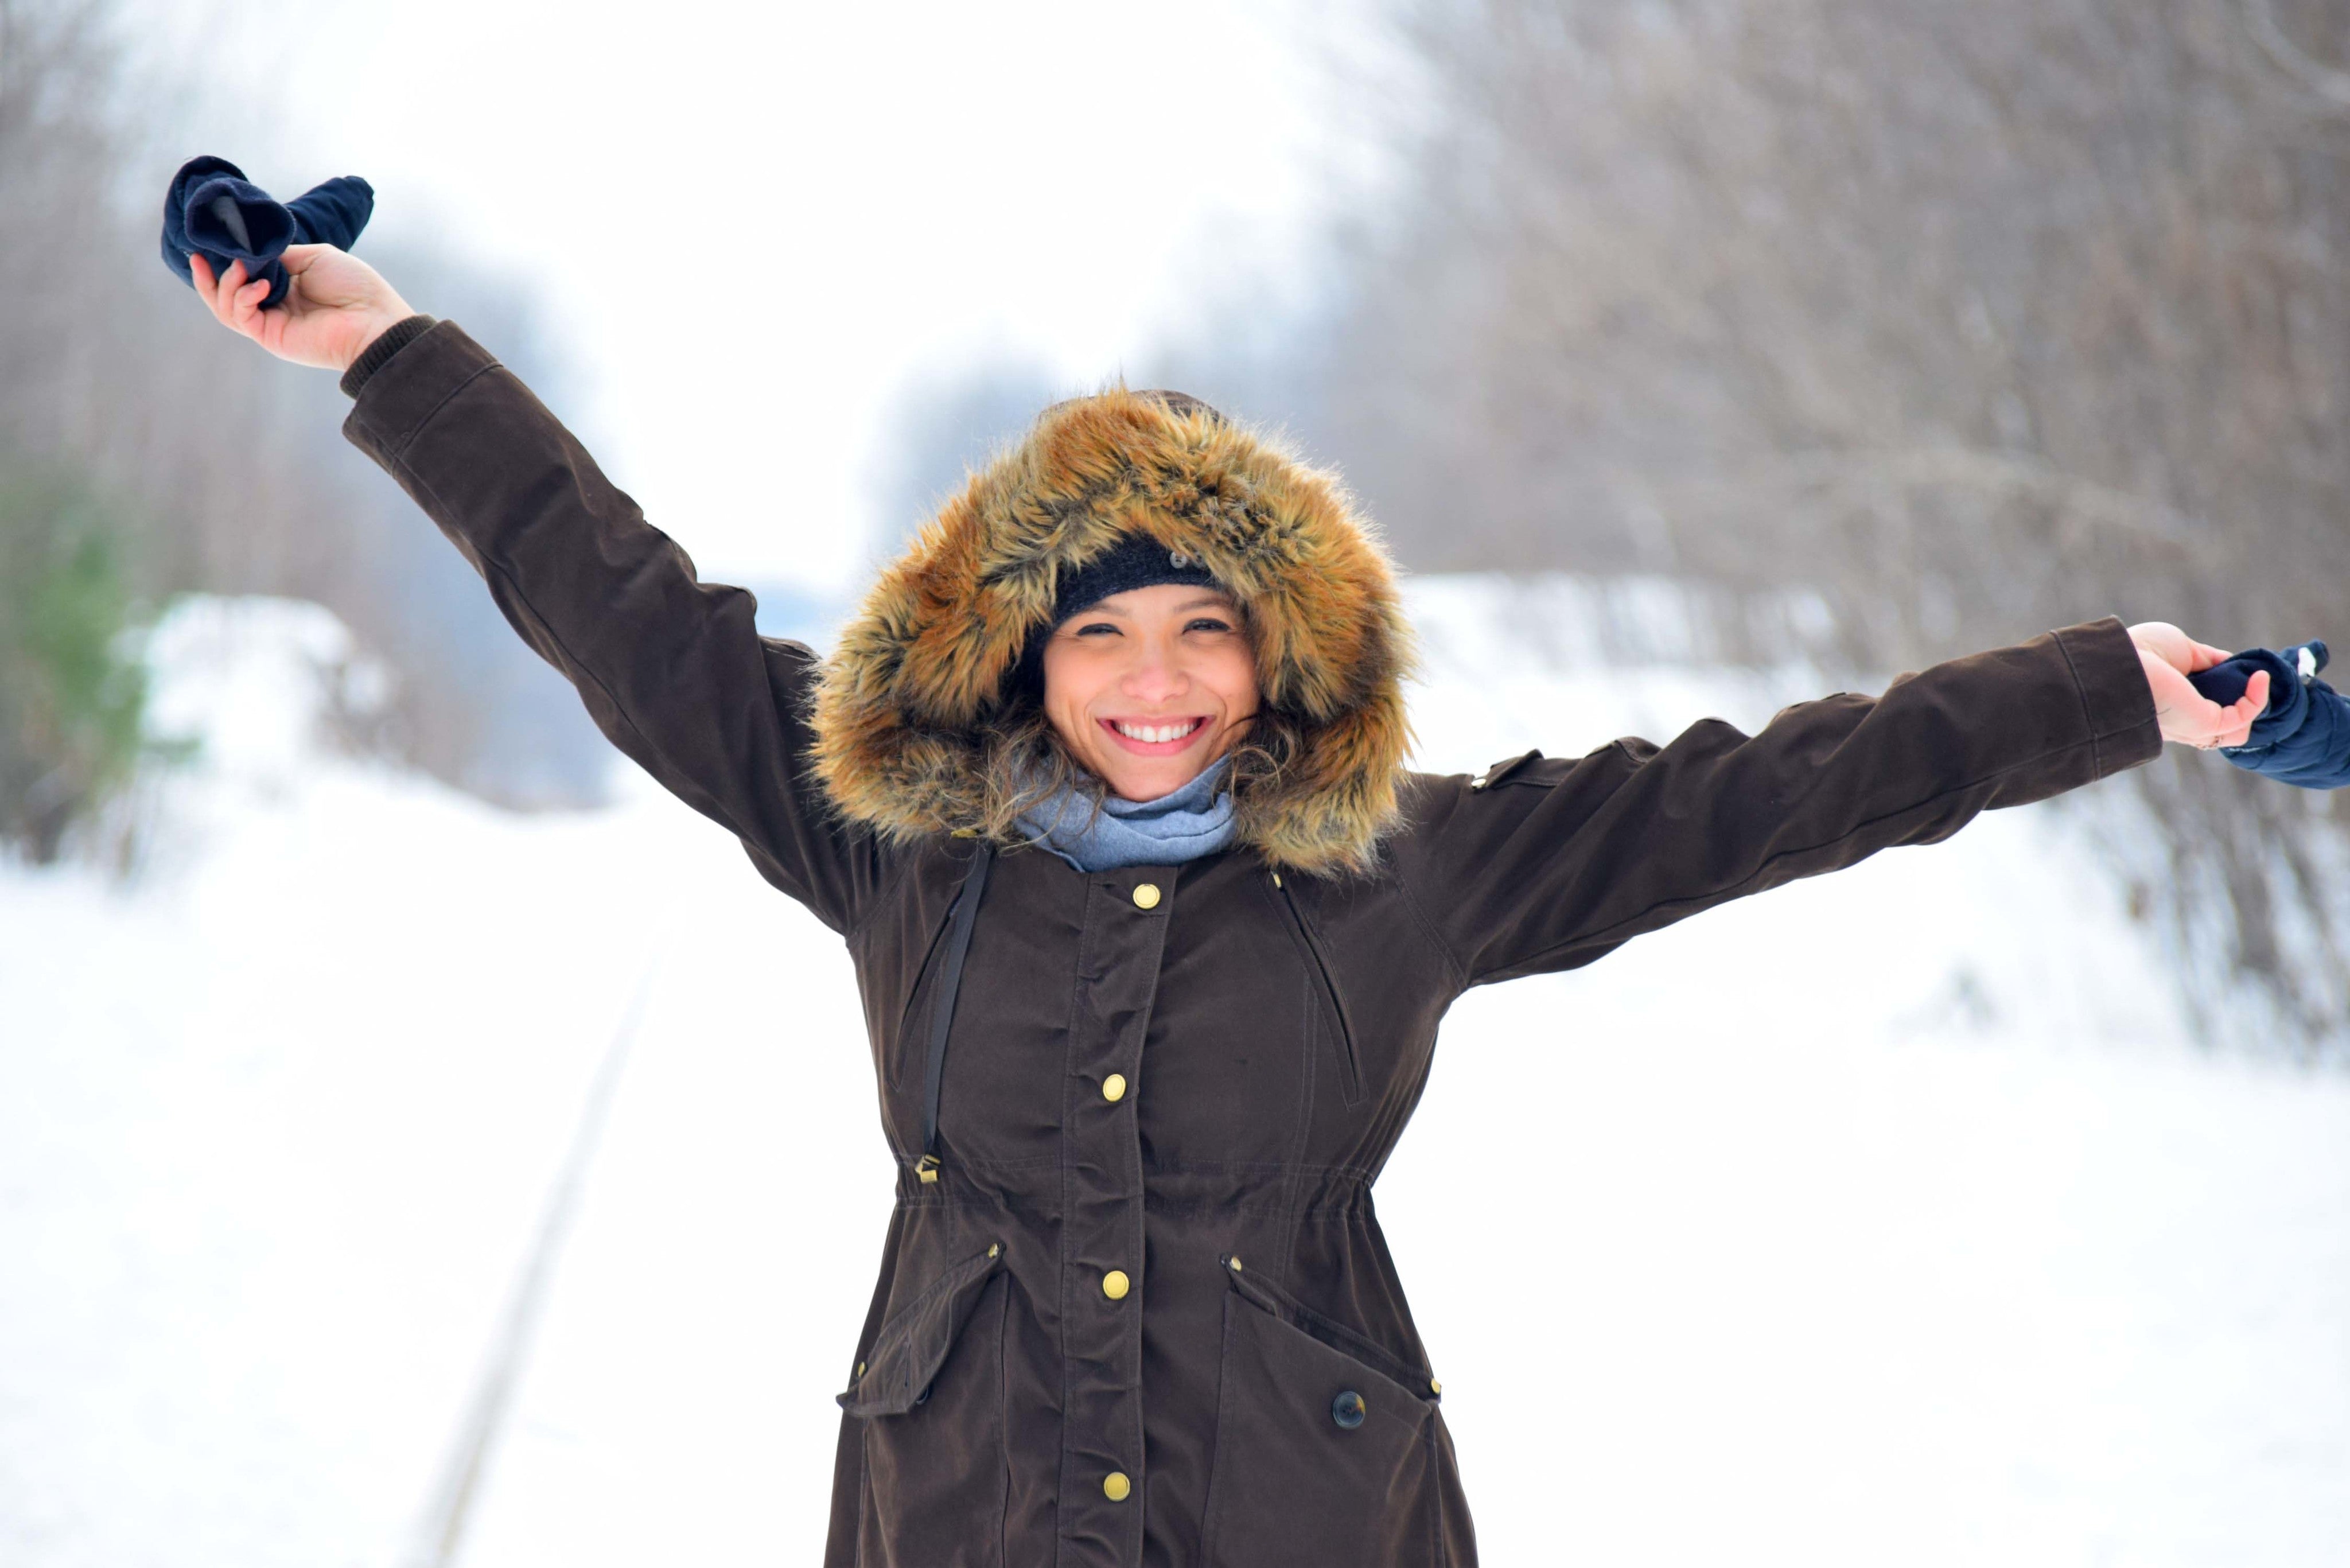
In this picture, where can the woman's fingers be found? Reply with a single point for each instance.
(211, 286)
(224, 297)
(248, 305)
(2247, 708)
(298, 260)
(244, 303)
(328, 297)
(2204, 656)
(2189, 717)
(234, 299)
(2206, 724)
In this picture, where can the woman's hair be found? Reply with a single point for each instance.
(1026, 762)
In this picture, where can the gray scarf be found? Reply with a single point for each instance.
(1192, 821)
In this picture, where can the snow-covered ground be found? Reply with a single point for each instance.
(1889, 1218)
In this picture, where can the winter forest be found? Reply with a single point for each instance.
(424, 1142)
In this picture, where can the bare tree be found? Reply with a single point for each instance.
(145, 452)
(1971, 320)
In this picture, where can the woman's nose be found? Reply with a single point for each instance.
(1153, 677)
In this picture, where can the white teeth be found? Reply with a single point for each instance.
(1155, 732)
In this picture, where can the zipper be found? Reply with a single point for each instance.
(901, 1063)
(939, 929)
(966, 914)
(1350, 1078)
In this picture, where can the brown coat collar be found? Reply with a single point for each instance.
(901, 713)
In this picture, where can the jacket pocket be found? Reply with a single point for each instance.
(929, 1396)
(1326, 1445)
(913, 1344)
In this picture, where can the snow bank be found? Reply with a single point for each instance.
(1890, 1217)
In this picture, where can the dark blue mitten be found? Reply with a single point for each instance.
(2303, 736)
(213, 208)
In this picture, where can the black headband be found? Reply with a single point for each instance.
(1136, 561)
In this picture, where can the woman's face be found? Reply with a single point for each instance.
(1172, 660)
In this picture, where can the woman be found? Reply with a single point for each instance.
(1104, 789)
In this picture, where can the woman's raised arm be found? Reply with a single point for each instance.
(673, 670)
(1548, 864)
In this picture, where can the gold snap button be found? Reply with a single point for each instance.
(1116, 1487)
(994, 1247)
(1146, 896)
(1434, 1387)
(860, 1370)
(1114, 1284)
(1114, 1087)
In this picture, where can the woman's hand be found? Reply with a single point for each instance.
(2187, 715)
(334, 307)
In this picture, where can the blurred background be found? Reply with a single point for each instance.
(421, 1144)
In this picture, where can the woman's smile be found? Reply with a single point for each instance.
(1161, 738)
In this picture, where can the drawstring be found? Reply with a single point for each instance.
(966, 914)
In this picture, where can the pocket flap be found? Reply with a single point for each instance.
(895, 1376)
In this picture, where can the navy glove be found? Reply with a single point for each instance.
(213, 208)
(2303, 736)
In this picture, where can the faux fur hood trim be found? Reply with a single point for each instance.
(905, 707)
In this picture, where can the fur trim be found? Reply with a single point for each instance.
(909, 710)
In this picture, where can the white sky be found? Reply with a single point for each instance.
(753, 225)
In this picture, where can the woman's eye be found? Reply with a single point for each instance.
(1213, 624)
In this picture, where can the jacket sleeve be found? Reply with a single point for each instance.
(1546, 863)
(673, 670)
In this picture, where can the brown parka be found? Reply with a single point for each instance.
(1137, 1309)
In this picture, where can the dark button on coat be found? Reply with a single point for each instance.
(1273, 1014)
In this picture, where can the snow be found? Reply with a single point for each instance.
(1890, 1217)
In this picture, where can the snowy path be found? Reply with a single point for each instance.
(1950, 1252)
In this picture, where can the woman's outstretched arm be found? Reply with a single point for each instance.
(1552, 862)
(671, 669)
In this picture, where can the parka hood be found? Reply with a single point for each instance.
(909, 698)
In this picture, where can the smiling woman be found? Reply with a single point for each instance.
(1135, 1306)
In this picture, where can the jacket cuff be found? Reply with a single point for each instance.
(387, 343)
(2116, 696)
(409, 389)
